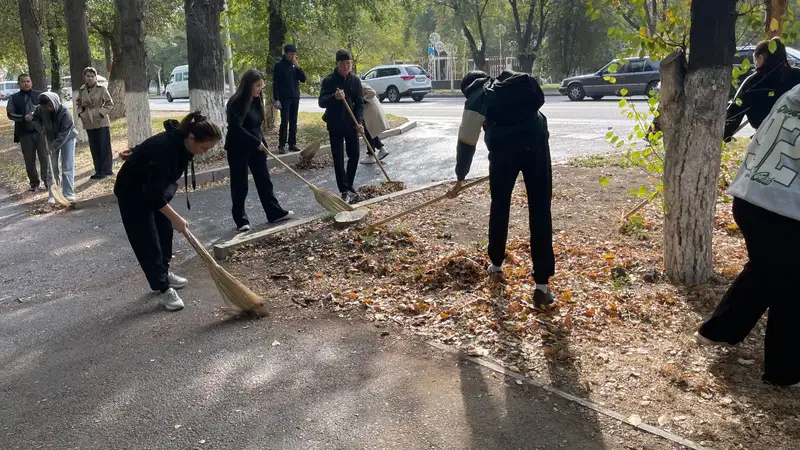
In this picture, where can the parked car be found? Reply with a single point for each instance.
(397, 81)
(178, 86)
(7, 89)
(638, 75)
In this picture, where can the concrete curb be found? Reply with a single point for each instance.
(223, 251)
(550, 92)
(220, 173)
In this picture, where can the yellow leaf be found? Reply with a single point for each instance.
(444, 316)
(566, 295)
(318, 275)
(774, 25)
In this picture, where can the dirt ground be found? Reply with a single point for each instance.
(619, 333)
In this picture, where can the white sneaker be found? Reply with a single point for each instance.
(176, 282)
(243, 228)
(71, 198)
(369, 159)
(289, 216)
(171, 301)
(382, 153)
(495, 272)
(702, 340)
(51, 201)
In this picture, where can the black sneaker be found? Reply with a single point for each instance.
(33, 188)
(282, 150)
(345, 195)
(541, 299)
(97, 176)
(294, 148)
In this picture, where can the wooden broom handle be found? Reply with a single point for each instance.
(369, 145)
(288, 167)
(423, 205)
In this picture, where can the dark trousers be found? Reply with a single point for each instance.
(33, 145)
(150, 234)
(374, 141)
(341, 141)
(289, 109)
(769, 280)
(256, 161)
(504, 167)
(100, 146)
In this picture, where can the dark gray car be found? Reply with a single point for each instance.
(638, 75)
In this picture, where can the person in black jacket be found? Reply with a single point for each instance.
(287, 76)
(517, 138)
(20, 110)
(145, 185)
(774, 76)
(247, 147)
(339, 87)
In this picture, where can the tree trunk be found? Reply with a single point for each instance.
(277, 36)
(80, 56)
(693, 102)
(206, 58)
(775, 9)
(137, 100)
(55, 65)
(31, 37)
(107, 51)
(526, 63)
(116, 82)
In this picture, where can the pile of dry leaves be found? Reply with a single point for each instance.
(619, 333)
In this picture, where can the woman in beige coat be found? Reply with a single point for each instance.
(375, 123)
(94, 104)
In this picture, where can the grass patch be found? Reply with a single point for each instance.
(606, 160)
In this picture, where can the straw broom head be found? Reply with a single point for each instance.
(331, 202)
(55, 189)
(231, 289)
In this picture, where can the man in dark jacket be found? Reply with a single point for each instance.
(20, 109)
(340, 87)
(507, 108)
(287, 76)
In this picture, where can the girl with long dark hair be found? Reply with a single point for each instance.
(145, 185)
(246, 148)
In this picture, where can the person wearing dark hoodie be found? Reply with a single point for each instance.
(286, 78)
(247, 148)
(20, 110)
(516, 135)
(145, 185)
(766, 207)
(55, 121)
(340, 87)
(773, 77)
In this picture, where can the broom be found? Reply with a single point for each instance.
(331, 202)
(422, 205)
(309, 152)
(231, 289)
(54, 192)
(369, 145)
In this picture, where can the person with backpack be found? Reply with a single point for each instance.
(766, 207)
(147, 182)
(20, 110)
(286, 78)
(516, 135)
(94, 104)
(340, 87)
(55, 121)
(773, 77)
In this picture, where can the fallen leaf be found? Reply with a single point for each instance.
(635, 420)
(746, 362)
(275, 343)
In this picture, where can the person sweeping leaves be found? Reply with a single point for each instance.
(507, 108)
(55, 121)
(145, 185)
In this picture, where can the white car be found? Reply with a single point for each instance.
(397, 81)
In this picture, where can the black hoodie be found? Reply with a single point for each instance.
(149, 177)
(336, 115)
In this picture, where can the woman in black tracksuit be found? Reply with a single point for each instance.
(774, 76)
(145, 185)
(247, 147)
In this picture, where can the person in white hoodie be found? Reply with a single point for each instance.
(766, 207)
(375, 123)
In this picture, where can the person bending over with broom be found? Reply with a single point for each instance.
(340, 87)
(246, 147)
(507, 108)
(54, 120)
(145, 185)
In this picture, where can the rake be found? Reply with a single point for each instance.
(422, 205)
(369, 145)
(55, 186)
(231, 289)
(331, 202)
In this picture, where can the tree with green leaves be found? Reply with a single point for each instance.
(530, 32)
(471, 17)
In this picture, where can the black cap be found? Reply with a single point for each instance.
(343, 55)
(289, 48)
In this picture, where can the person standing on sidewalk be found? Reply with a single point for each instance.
(340, 87)
(247, 148)
(20, 110)
(375, 123)
(286, 79)
(507, 108)
(766, 207)
(145, 185)
(94, 104)
(55, 121)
